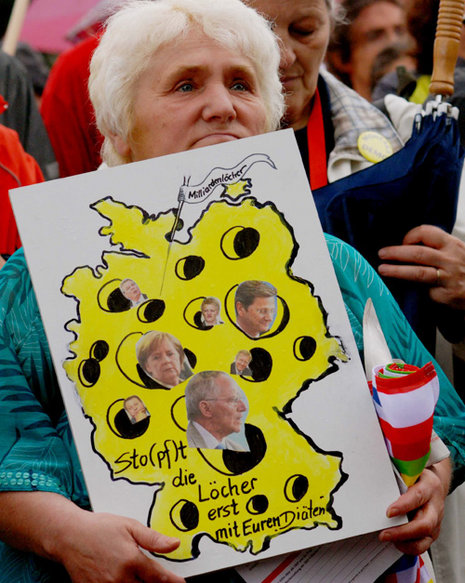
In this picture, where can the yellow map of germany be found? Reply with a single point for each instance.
(243, 499)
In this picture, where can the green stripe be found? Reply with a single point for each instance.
(412, 467)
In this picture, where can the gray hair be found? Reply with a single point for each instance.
(141, 27)
(201, 387)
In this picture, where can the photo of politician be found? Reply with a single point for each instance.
(216, 409)
(135, 409)
(131, 291)
(161, 357)
(256, 306)
(240, 366)
(210, 310)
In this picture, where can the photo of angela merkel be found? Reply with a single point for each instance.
(161, 357)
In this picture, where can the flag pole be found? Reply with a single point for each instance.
(15, 24)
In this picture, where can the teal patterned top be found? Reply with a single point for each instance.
(36, 447)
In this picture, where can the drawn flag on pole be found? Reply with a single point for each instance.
(405, 397)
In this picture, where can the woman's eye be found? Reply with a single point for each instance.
(302, 30)
(240, 86)
(185, 87)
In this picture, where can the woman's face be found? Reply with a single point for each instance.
(194, 93)
(210, 314)
(304, 27)
(164, 364)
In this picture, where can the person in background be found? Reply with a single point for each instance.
(369, 27)
(422, 18)
(328, 118)
(17, 168)
(68, 113)
(22, 114)
(393, 58)
(32, 60)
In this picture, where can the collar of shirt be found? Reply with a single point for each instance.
(210, 441)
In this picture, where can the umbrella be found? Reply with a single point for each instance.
(417, 185)
(47, 22)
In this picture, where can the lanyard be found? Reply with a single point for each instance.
(316, 145)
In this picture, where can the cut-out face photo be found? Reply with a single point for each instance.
(240, 366)
(135, 409)
(161, 357)
(216, 409)
(131, 292)
(210, 309)
(256, 306)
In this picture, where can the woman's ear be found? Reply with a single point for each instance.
(121, 146)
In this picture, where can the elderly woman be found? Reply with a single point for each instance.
(328, 118)
(162, 358)
(168, 76)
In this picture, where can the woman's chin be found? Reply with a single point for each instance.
(213, 139)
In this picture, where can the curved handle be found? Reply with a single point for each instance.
(446, 46)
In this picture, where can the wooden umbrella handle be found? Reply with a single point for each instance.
(446, 46)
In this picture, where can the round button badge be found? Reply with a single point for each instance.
(374, 147)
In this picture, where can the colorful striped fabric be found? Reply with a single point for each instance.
(405, 398)
(408, 569)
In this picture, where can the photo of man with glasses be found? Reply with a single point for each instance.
(216, 407)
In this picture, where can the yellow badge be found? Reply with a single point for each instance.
(374, 147)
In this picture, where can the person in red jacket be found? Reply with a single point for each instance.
(17, 168)
(68, 114)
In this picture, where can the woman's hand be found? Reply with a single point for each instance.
(430, 255)
(93, 547)
(424, 502)
(104, 548)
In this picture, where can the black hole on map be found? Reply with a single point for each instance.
(152, 310)
(99, 350)
(304, 347)
(296, 487)
(257, 504)
(189, 267)
(239, 462)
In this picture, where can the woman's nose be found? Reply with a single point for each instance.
(286, 49)
(219, 104)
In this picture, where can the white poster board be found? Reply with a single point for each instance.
(315, 468)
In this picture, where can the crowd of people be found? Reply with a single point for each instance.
(255, 67)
